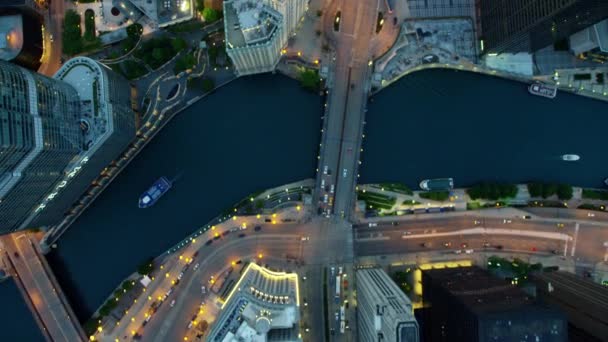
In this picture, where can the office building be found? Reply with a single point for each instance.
(21, 32)
(584, 302)
(384, 312)
(158, 13)
(469, 304)
(56, 135)
(530, 25)
(263, 306)
(257, 31)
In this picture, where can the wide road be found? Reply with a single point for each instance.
(347, 98)
(53, 24)
(60, 323)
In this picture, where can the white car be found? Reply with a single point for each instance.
(458, 251)
(344, 173)
(469, 251)
(340, 270)
(373, 224)
(331, 189)
(305, 238)
(180, 276)
(322, 183)
(325, 198)
(325, 169)
(590, 214)
(506, 221)
(172, 303)
(203, 290)
(196, 266)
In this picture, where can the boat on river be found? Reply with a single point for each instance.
(570, 157)
(437, 184)
(541, 89)
(151, 196)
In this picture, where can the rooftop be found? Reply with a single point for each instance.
(479, 290)
(11, 36)
(263, 306)
(249, 22)
(162, 12)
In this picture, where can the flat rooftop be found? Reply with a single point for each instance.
(249, 22)
(163, 12)
(479, 290)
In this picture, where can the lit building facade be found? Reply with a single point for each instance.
(56, 136)
(257, 31)
(530, 25)
(263, 306)
(384, 312)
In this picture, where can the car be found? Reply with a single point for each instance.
(203, 289)
(180, 276)
(331, 189)
(506, 221)
(458, 251)
(407, 233)
(344, 173)
(16, 254)
(560, 225)
(394, 21)
(169, 292)
(322, 183)
(226, 232)
(172, 303)
(486, 244)
(196, 266)
(210, 241)
(305, 238)
(242, 235)
(217, 237)
(447, 244)
(498, 246)
(554, 251)
(340, 270)
(51, 38)
(333, 270)
(526, 217)
(476, 222)
(425, 244)
(325, 198)
(267, 220)
(190, 324)
(257, 228)
(373, 224)
(325, 169)
(469, 251)
(464, 245)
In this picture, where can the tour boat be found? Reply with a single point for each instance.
(150, 196)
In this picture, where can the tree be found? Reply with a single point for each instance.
(159, 54)
(435, 195)
(535, 189)
(564, 192)
(210, 15)
(207, 84)
(200, 5)
(178, 44)
(146, 267)
(309, 79)
(127, 285)
(549, 190)
(72, 37)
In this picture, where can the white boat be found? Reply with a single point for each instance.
(606, 181)
(541, 89)
(571, 157)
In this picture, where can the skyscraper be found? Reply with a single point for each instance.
(56, 135)
(469, 304)
(384, 312)
(530, 25)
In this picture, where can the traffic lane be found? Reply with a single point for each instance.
(465, 222)
(173, 324)
(591, 243)
(571, 214)
(313, 317)
(454, 243)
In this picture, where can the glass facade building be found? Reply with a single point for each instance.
(39, 137)
(56, 136)
(530, 25)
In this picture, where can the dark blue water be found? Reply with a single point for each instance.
(443, 123)
(16, 321)
(255, 133)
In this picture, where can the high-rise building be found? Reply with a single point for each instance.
(257, 31)
(384, 312)
(584, 302)
(530, 25)
(263, 306)
(469, 304)
(56, 135)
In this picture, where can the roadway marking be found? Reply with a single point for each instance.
(495, 231)
(576, 227)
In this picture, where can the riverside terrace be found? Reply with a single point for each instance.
(262, 304)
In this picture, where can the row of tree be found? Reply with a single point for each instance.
(544, 190)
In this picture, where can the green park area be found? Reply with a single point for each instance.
(309, 79)
(515, 269)
(158, 51)
(492, 191)
(73, 40)
(435, 195)
(395, 187)
(404, 280)
(545, 190)
(595, 194)
(374, 200)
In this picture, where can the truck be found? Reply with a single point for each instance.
(337, 297)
